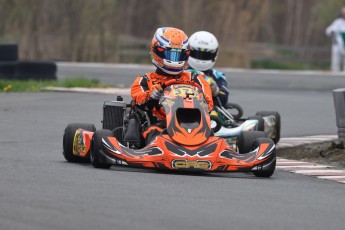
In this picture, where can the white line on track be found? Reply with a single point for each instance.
(289, 164)
(331, 177)
(302, 166)
(313, 171)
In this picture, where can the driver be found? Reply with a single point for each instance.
(169, 53)
(203, 56)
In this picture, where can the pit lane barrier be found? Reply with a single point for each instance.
(11, 68)
(339, 105)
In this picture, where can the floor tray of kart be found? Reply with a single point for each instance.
(186, 144)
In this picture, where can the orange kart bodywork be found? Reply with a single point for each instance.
(187, 143)
(163, 153)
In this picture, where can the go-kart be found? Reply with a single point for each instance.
(187, 142)
(229, 122)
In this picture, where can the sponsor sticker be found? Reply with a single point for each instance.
(78, 143)
(185, 91)
(185, 164)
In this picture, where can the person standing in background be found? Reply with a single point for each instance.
(337, 32)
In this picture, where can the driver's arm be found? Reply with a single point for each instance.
(145, 95)
(207, 90)
(140, 91)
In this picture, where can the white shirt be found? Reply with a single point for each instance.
(336, 28)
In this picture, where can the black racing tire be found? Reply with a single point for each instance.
(35, 70)
(246, 140)
(68, 139)
(261, 122)
(7, 70)
(218, 123)
(270, 167)
(234, 107)
(112, 116)
(276, 138)
(8, 52)
(97, 146)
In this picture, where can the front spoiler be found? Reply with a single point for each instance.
(213, 156)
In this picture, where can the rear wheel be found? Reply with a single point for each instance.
(261, 122)
(246, 140)
(68, 139)
(235, 110)
(275, 134)
(267, 169)
(97, 146)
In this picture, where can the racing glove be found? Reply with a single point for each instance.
(156, 92)
(214, 88)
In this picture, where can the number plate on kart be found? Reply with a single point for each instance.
(185, 91)
(185, 164)
(78, 143)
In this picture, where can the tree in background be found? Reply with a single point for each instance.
(87, 30)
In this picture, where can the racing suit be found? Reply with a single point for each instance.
(337, 31)
(141, 91)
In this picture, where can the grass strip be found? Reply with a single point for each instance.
(35, 86)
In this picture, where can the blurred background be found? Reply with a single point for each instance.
(284, 34)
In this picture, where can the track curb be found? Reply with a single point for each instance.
(321, 171)
(289, 142)
(325, 172)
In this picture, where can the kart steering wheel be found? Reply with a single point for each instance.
(180, 82)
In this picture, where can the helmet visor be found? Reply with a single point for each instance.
(203, 55)
(171, 54)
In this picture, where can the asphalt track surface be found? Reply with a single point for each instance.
(237, 78)
(40, 190)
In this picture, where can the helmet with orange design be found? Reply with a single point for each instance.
(169, 50)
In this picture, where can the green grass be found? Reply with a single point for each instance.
(35, 86)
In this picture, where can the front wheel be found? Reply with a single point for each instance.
(246, 140)
(97, 146)
(268, 168)
(266, 173)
